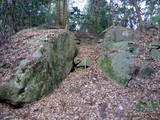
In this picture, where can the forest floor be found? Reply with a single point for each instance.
(89, 95)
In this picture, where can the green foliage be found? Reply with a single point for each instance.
(96, 17)
(27, 13)
(140, 105)
(79, 69)
(156, 19)
(75, 18)
(152, 106)
(149, 106)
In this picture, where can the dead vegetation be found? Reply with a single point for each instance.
(89, 95)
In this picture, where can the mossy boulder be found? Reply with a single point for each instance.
(145, 71)
(150, 25)
(155, 53)
(118, 34)
(40, 75)
(119, 66)
(120, 47)
(124, 45)
(154, 45)
(155, 49)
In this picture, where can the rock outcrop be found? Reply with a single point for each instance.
(145, 71)
(118, 62)
(119, 66)
(155, 50)
(118, 34)
(39, 75)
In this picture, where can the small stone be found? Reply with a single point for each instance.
(35, 109)
(85, 62)
(145, 71)
(77, 60)
(100, 41)
(76, 117)
(37, 54)
(24, 62)
(77, 42)
(120, 107)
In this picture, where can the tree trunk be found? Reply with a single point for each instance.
(110, 21)
(138, 12)
(10, 13)
(61, 12)
(65, 12)
(58, 12)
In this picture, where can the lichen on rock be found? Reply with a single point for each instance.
(40, 74)
(118, 66)
(119, 62)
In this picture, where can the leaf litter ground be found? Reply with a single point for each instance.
(89, 95)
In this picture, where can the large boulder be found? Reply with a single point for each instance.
(155, 50)
(118, 34)
(39, 75)
(155, 45)
(119, 66)
(155, 53)
(124, 45)
(119, 45)
(145, 71)
(150, 25)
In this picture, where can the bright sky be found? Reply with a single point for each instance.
(80, 4)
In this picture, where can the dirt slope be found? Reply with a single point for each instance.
(89, 95)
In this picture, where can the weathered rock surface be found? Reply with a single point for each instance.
(155, 50)
(155, 53)
(85, 62)
(119, 66)
(145, 71)
(124, 45)
(118, 34)
(150, 25)
(39, 75)
(82, 63)
(155, 45)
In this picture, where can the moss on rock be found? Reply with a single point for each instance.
(118, 66)
(42, 73)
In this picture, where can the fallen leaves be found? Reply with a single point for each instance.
(89, 94)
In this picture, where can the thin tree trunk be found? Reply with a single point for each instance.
(138, 11)
(61, 12)
(10, 13)
(58, 15)
(65, 13)
(131, 23)
(110, 22)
